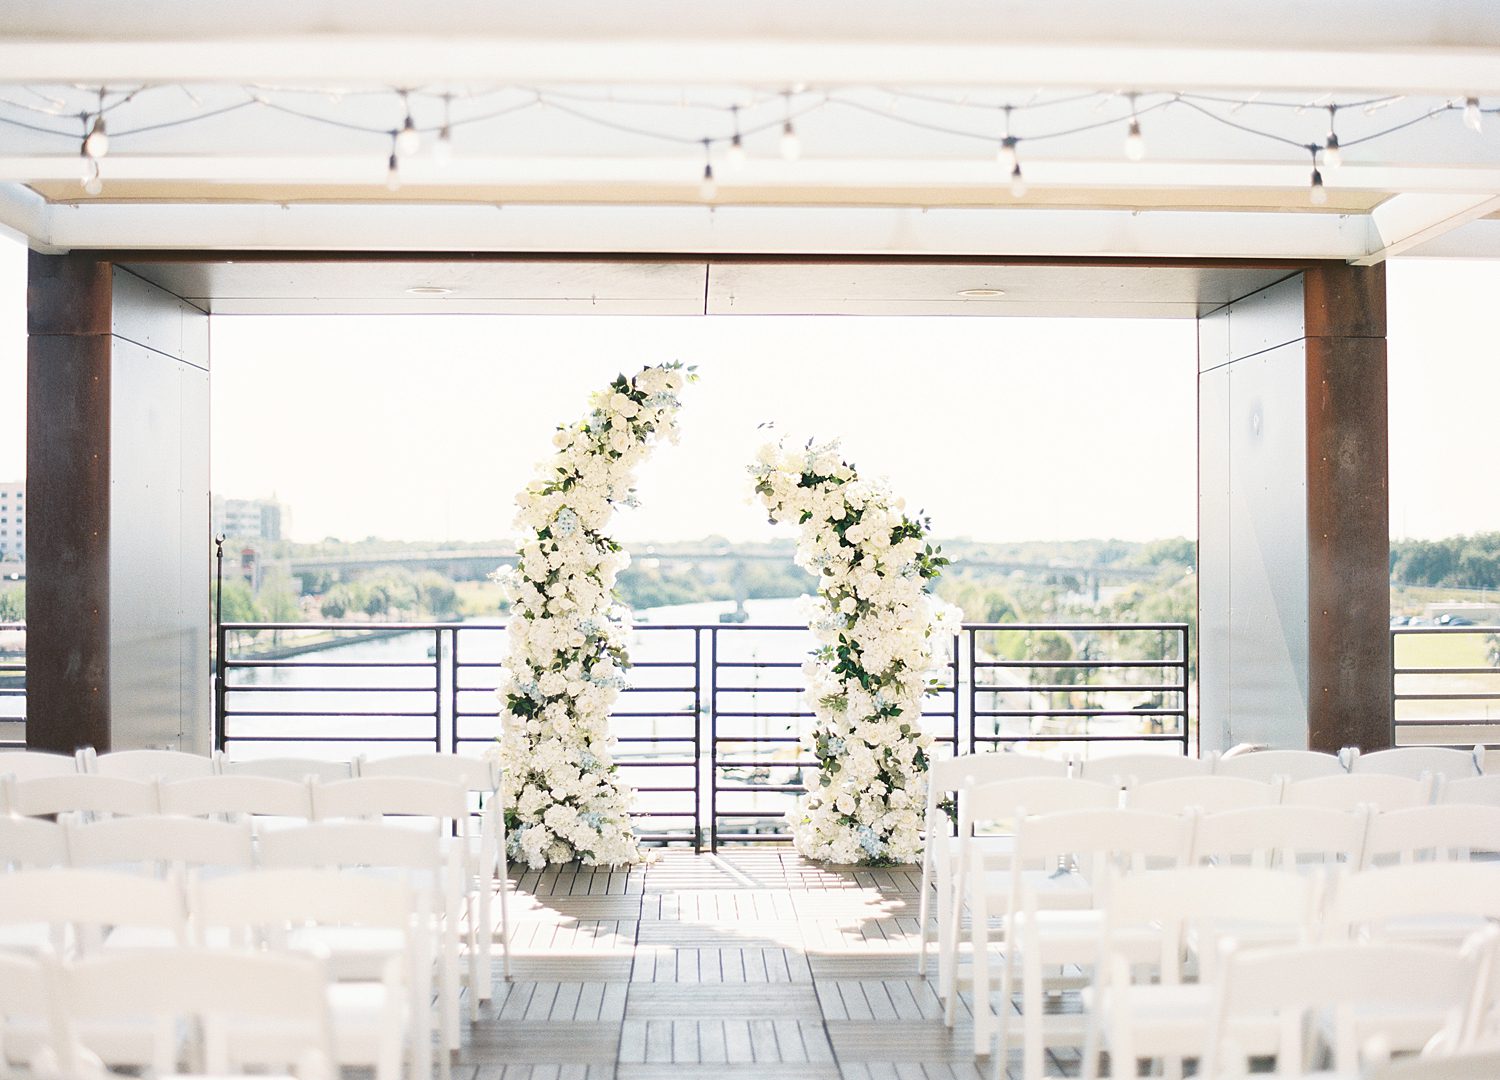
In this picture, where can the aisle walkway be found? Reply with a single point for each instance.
(750, 963)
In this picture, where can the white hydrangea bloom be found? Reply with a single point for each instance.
(561, 792)
(880, 633)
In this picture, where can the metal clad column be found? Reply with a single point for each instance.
(1348, 508)
(117, 533)
(68, 359)
(1293, 520)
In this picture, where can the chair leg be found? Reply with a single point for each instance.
(504, 910)
(984, 1017)
(475, 960)
(486, 933)
(1032, 1052)
(923, 908)
(1088, 1068)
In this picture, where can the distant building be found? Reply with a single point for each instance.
(248, 519)
(12, 522)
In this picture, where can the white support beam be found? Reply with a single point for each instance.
(404, 61)
(1407, 221)
(682, 229)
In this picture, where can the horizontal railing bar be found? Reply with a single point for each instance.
(1447, 670)
(1476, 696)
(1096, 665)
(1402, 631)
(780, 789)
(1156, 737)
(331, 738)
(1064, 688)
(1448, 721)
(765, 715)
(309, 665)
(1080, 712)
(230, 688)
(1101, 627)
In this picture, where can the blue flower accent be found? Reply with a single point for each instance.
(869, 840)
(566, 522)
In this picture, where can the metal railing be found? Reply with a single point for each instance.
(12, 690)
(710, 730)
(1445, 685)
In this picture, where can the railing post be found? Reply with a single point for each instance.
(220, 691)
(713, 739)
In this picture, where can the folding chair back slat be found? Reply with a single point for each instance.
(147, 764)
(1383, 792)
(1210, 794)
(81, 793)
(161, 841)
(1414, 762)
(261, 796)
(30, 764)
(32, 842)
(1269, 764)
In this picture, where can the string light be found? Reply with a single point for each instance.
(96, 142)
(1317, 194)
(709, 187)
(442, 150)
(734, 157)
(1333, 157)
(1135, 144)
(1006, 154)
(791, 146)
(408, 140)
(1017, 181)
(1472, 119)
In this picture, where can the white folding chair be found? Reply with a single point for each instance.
(1430, 902)
(489, 862)
(441, 801)
(71, 911)
(238, 796)
(284, 768)
(1210, 794)
(31, 1025)
(1267, 836)
(161, 844)
(999, 803)
(416, 853)
(30, 764)
(1292, 983)
(78, 793)
(1048, 931)
(1123, 769)
(1482, 1065)
(373, 933)
(31, 842)
(1196, 908)
(1441, 832)
(1483, 790)
(1414, 762)
(1378, 790)
(1269, 764)
(947, 777)
(253, 1008)
(146, 764)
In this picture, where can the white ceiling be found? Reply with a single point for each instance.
(264, 127)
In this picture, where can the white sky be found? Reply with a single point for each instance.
(419, 428)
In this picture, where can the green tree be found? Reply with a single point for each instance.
(436, 595)
(13, 603)
(238, 603)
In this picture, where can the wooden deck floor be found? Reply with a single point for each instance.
(752, 962)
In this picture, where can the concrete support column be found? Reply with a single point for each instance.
(118, 528)
(1294, 646)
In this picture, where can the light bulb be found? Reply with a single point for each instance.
(1017, 181)
(96, 144)
(408, 142)
(734, 157)
(791, 146)
(1317, 194)
(1333, 157)
(1006, 154)
(393, 173)
(1472, 118)
(709, 187)
(443, 148)
(1135, 144)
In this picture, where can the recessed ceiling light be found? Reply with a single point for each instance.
(981, 294)
(428, 290)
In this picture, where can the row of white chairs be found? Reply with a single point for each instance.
(1212, 793)
(1054, 893)
(371, 902)
(1409, 761)
(182, 765)
(171, 824)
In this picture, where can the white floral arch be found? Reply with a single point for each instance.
(877, 628)
(561, 792)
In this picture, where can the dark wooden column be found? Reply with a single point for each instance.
(1348, 509)
(68, 300)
